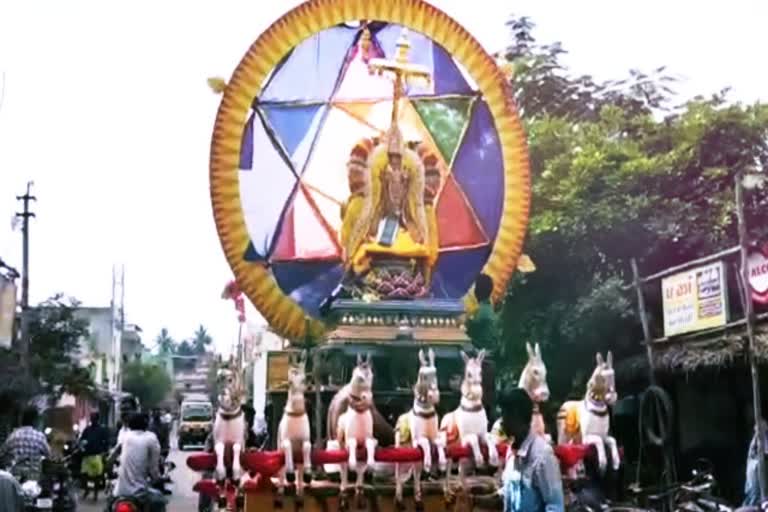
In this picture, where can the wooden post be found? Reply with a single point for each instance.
(644, 321)
(749, 314)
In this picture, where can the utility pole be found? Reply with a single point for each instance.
(25, 215)
(749, 315)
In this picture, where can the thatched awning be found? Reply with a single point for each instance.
(716, 349)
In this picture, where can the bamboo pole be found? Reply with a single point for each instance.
(749, 314)
(644, 321)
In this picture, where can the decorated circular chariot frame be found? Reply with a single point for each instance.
(286, 317)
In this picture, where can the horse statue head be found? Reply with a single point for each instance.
(228, 384)
(297, 384)
(533, 379)
(472, 384)
(426, 390)
(601, 387)
(361, 384)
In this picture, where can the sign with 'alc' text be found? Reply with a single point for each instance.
(695, 300)
(757, 266)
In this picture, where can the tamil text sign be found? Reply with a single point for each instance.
(695, 300)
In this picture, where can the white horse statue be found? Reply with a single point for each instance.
(229, 426)
(354, 426)
(420, 428)
(533, 380)
(588, 421)
(293, 433)
(469, 423)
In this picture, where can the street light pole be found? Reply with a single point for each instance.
(749, 315)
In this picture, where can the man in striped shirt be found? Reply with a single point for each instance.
(26, 447)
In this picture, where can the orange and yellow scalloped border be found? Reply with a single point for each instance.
(284, 315)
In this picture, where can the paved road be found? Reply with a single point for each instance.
(182, 500)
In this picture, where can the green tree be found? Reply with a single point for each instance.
(55, 334)
(618, 172)
(185, 348)
(201, 340)
(164, 342)
(150, 383)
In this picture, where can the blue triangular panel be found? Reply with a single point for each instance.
(308, 283)
(252, 255)
(448, 78)
(311, 70)
(295, 128)
(479, 168)
(456, 271)
(246, 146)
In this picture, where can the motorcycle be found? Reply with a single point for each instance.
(164, 486)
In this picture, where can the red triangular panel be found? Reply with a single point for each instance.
(456, 222)
(305, 234)
(285, 249)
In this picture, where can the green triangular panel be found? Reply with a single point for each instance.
(446, 119)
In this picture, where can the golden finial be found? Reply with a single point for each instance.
(217, 84)
(401, 71)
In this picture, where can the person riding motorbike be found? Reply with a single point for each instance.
(139, 452)
(95, 444)
(27, 447)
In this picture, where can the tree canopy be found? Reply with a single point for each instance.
(55, 334)
(619, 170)
(150, 383)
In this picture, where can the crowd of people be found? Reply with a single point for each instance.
(142, 442)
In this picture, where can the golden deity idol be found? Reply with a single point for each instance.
(389, 231)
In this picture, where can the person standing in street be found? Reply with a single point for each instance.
(531, 481)
(95, 445)
(752, 482)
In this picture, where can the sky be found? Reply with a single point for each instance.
(105, 107)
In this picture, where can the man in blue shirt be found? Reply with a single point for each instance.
(531, 481)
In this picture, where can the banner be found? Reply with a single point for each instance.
(695, 300)
(7, 311)
(757, 266)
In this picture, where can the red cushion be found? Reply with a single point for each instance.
(206, 487)
(402, 454)
(458, 451)
(202, 462)
(571, 454)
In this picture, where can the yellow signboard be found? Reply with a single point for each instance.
(695, 300)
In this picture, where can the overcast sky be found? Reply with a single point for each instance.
(106, 108)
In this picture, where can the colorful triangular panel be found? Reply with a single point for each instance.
(252, 255)
(304, 235)
(295, 127)
(358, 83)
(421, 53)
(265, 188)
(311, 70)
(446, 120)
(327, 167)
(457, 270)
(246, 144)
(456, 223)
(285, 244)
(294, 274)
(479, 168)
(312, 294)
(378, 115)
(448, 77)
(329, 208)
